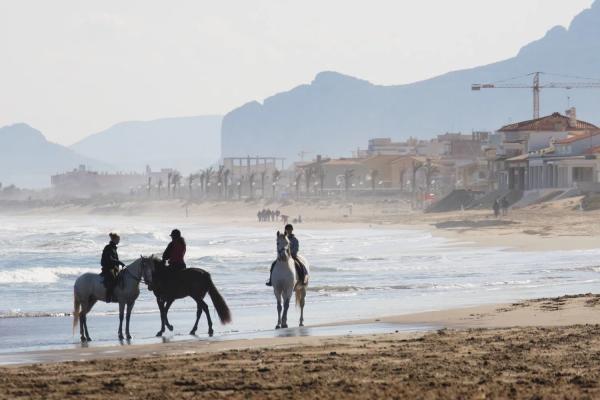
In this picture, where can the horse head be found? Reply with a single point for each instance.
(283, 246)
(148, 269)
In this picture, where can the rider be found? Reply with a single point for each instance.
(175, 251)
(294, 247)
(110, 265)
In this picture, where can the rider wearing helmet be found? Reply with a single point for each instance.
(110, 265)
(175, 251)
(294, 248)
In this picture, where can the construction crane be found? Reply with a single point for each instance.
(537, 87)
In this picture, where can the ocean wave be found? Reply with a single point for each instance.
(352, 288)
(41, 275)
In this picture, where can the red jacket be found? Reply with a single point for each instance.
(174, 252)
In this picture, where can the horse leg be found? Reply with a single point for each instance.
(198, 315)
(121, 312)
(88, 309)
(167, 306)
(162, 316)
(205, 308)
(82, 324)
(127, 317)
(286, 305)
(302, 298)
(278, 314)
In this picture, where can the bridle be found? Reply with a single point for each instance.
(140, 278)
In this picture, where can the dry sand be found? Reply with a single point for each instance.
(547, 348)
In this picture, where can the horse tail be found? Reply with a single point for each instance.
(76, 307)
(218, 302)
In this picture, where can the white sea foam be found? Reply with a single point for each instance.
(39, 275)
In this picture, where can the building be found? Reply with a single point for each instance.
(82, 182)
(547, 152)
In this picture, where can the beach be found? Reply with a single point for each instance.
(546, 348)
(452, 305)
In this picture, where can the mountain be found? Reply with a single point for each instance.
(28, 160)
(335, 114)
(186, 143)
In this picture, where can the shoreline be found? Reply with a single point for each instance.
(544, 347)
(566, 310)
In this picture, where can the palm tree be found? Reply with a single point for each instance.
(373, 176)
(226, 174)
(251, 184)
(160, 183)
(220, 173)
(263, 176)
(298, 179)
(176, 181)
(149, 185)
(321, 174)
(169, 176)
(239, 185)
(190, 181)
(430, 171)
(309, 173)
(348, 176)
(274, 179)
(208, 173)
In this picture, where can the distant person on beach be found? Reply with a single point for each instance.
(175, 251)
(496, 208)
(110, 265)
(504, 206)
(301, 271)
(277, 214)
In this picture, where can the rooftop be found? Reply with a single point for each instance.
(552, 123)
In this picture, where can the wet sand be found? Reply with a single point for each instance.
(545, 348)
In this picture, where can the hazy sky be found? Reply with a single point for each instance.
(72, 68)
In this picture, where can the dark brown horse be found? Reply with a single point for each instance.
(169, 286)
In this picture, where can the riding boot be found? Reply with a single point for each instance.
(109, 294)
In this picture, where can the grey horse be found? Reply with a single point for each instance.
(89, 288)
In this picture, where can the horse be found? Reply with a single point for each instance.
(169, 286)
(284, 281)
(89, 288)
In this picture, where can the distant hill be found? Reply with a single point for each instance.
(335, 114)
(28, 160)
(186, 143)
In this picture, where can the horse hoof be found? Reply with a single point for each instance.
(301, 324)
(193, 332)
(211, 333)
(170, 327)
(128, 337)
(284, 326)
(83, 339)
(159, 334)
(121, 337)
(277, 327)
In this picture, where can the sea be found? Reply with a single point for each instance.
(355, 274)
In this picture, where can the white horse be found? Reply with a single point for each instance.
(89, 288)
(284, 281)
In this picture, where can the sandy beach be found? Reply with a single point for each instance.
(545, 348)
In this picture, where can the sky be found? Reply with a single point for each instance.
(71, 68)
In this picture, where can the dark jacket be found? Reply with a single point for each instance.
(175, 252)
(294, 245)
(110, 258)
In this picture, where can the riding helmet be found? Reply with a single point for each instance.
(175, 233)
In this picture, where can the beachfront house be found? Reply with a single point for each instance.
(530, 151)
